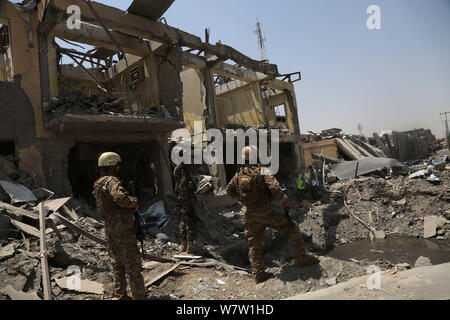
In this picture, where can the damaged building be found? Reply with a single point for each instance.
(227, 96)
(124, 90)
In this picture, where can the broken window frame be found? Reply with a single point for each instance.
(279, 117)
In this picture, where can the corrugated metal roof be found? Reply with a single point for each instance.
(152, 9)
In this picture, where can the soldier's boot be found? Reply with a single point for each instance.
(262, 276)
(184, 246)
(192, 248)
(306, 260)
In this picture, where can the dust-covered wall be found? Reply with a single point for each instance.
(194, 97)
(242, 106)
(146, 89)
(25, 58)
(36, 156)
(170, 86)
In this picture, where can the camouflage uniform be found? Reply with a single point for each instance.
(116, 206)
(255, 192)
(185, 191)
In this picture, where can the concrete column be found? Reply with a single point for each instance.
(263, 104)
(217, 171)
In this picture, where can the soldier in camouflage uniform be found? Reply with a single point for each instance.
(185, 190)
(255, 191)
(117, 207)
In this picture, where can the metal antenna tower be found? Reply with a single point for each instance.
(261, 42)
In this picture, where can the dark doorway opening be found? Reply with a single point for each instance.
(7, 148)
(287, 159)
(137, 170)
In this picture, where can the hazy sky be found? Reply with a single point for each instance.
(397, 77)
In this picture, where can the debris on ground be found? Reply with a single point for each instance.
(422, 210)
(422, 262)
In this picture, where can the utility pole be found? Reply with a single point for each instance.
(447, 133)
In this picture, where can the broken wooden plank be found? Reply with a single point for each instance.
(84, 286)
(44, 263)
(55, 205)
(16, 212)
(360, 149)
(30, 230)
(71, 213)
(187, 257)
(211, 263)
(353, 148)
(348, 150)
(162, 274)
(13, 294)
(60, 219)
(371, 149)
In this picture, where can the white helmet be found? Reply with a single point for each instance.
(250, 152)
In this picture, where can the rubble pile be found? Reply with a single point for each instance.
(393, 206)
(76, 102)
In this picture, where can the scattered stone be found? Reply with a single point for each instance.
(332, 281)
(431, 224)
(402, 266)
(422, 262)
(6, 252)
(162, 238)
(379, 234)
(14, 294)
(400, 202)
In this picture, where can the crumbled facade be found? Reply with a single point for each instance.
(59, 117)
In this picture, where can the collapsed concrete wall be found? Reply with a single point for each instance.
(40, 157)
(241, 106)
(170, 86)
(194, 97)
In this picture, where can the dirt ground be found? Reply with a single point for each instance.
(396, 206)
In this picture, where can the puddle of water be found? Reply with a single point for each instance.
(394, 250)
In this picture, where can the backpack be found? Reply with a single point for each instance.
(252, 188)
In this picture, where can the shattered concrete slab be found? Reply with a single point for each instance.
(347, 169)
(86, 286)
(7, 252)
(423, 283)
(20, 295)
(18, 193)
(431, 224)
